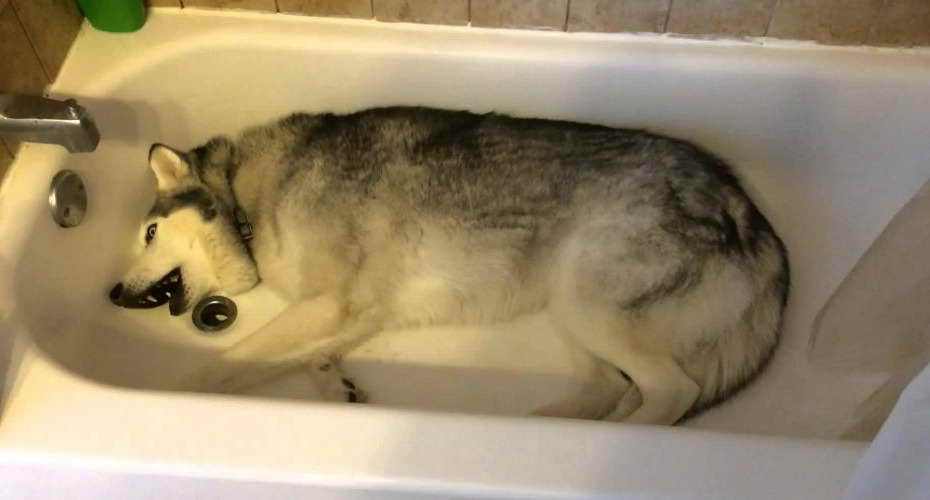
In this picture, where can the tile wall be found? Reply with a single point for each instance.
(903, 23)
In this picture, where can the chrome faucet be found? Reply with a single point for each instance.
(38, 119)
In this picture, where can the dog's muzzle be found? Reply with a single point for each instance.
(169, 288)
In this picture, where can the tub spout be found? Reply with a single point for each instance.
(38, 119)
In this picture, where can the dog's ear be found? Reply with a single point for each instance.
(169, 166)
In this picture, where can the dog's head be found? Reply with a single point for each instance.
(189, 245)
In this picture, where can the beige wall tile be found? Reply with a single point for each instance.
(339, 8)
(163, 3)
(618, 15)
(801, 19)
(903, 23)
(850, 20)
(519, 13)
(423, 11)
(720, 17)
(827, 21)
(51, 26)
(20, 70)
(232, 4)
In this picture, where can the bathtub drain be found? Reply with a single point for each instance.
(214, 314)
(67, 198)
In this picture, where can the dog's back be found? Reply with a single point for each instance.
(645, 250)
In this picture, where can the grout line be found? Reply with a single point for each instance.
(878, 16)
(277, 8)
(768, 26)
(6, 148)
(568, 9)
(668, 15)
(468, 15)
(32, 45)
(371, 4)
(831, 16)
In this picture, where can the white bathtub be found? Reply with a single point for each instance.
(831, 142)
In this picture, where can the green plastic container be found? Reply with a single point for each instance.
(119, 16)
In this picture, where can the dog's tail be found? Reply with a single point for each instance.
(739, 355)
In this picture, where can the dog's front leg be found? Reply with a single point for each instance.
(311, 334)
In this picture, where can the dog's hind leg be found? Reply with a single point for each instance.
(604, 285)
(666, 390)
(600, 383)
(630, 401)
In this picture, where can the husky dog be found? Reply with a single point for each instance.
(643, 251)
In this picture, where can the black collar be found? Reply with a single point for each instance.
(243, 226)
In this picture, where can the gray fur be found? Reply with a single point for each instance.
(196, 197)
(492, 172)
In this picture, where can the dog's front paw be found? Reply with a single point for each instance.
(333, 385)
(352, 393)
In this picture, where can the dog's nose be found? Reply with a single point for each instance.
(116, 293)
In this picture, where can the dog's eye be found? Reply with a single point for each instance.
(150, 233)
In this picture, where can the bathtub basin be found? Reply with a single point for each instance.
(829, 141)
